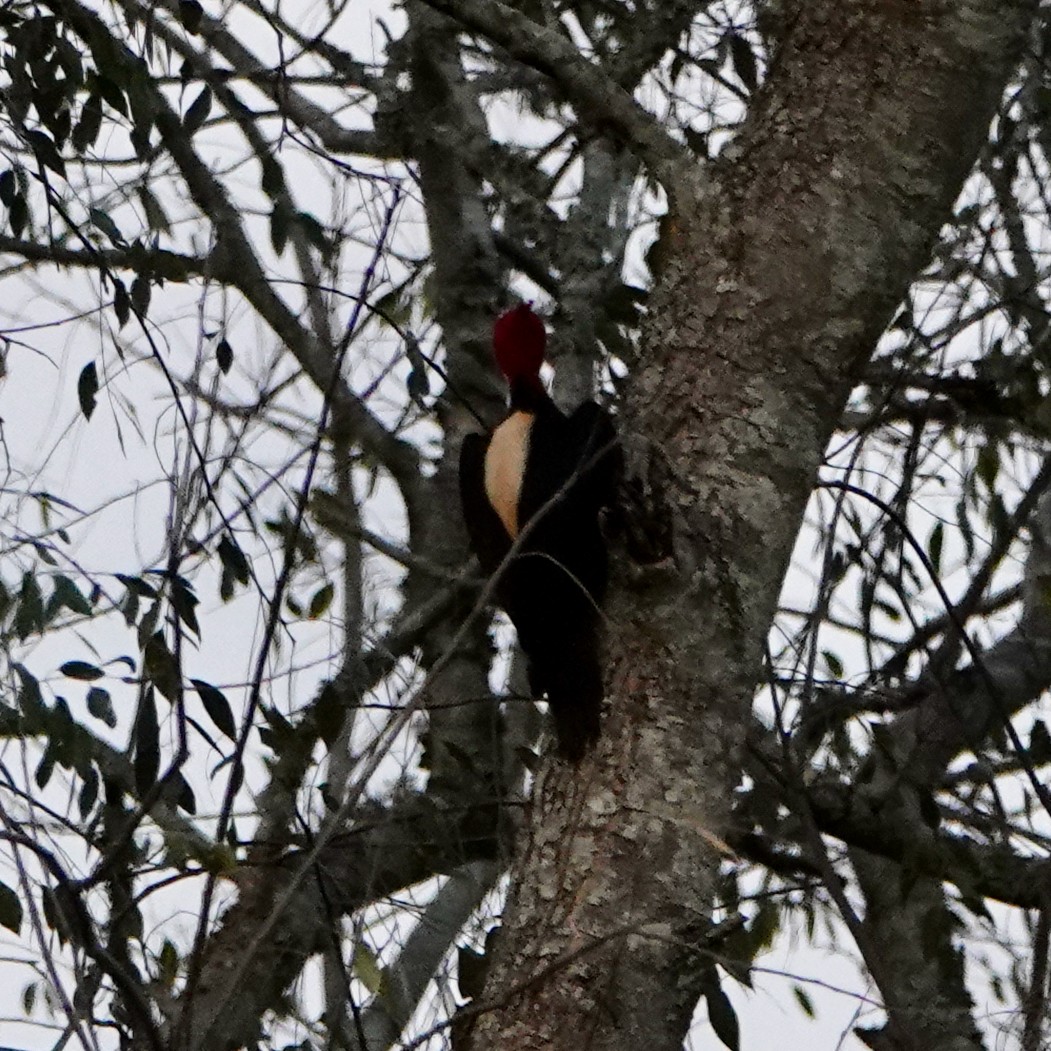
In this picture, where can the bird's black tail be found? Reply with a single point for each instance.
(572, 679)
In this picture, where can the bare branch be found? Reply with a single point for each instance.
(599, 101)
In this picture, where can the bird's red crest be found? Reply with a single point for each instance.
(519, 339)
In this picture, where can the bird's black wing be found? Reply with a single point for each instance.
(489, 539)
(553, 589)
(557, 584)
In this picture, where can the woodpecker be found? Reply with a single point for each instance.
(545, 475)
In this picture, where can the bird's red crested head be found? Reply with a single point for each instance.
(519, 339)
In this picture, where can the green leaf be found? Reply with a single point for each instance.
(988, 466)
(140, 141)
(279, 734)
(53, 915)
(418, 384)
(934, 547)
(224, 356)
(190, 14)
(110, 92)
(217, 707)
(146, 738)
(46, 152)
(280, 222)
(997, 986)
(367, 968)
(745, 944)
(10, 909)
(62, 733)
(315, 232)
(183, 793)
(975, 904)
(18, 215)
(148, 624)
(81, 670)
(471, 971)
(330, 713)
(45, 768)
(30, 701)
(101, 706)
(804, 1001)
(156, 217)
(46, 556)
(198, 112)
(722, 1015)
(89, 792)
(233, 558)
(168, 964)
(86, 131)
(321, 600)
(185, 601)
(59, 126)
(273, 177)
(8, 188)
(121, 302)
(889, 611)
(1039, 743)
(393, 308)
(744, 61)
(160, 667)
(235, 569)
(102, 221)
(69, 58)
(67, 594)
(833, 663)
(87, 388)
(29, 616)
(138, 585)
(141, 96)
(140, 295)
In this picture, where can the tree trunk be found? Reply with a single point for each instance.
(783, 262)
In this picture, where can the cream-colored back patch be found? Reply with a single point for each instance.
(505, 461)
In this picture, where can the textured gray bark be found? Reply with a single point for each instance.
(783, 264)
(923, 987)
